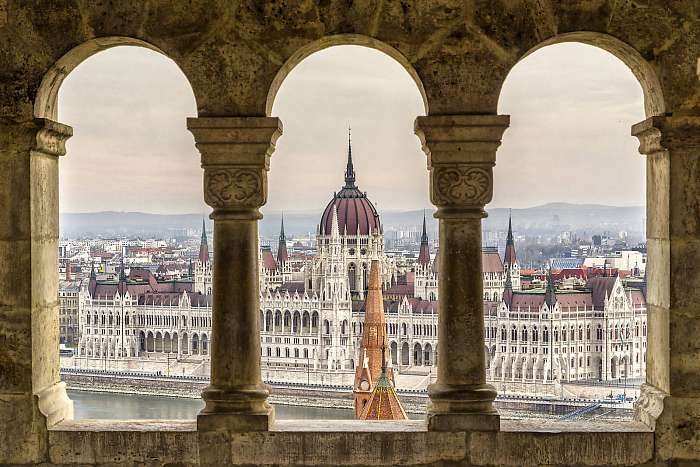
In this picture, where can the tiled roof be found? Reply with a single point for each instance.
(491, 261)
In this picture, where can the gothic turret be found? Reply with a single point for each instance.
(508, 290)
(204, 245)
(550, 297)
(374, 338)
(122, 277)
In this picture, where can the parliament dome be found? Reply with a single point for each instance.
(356, 213)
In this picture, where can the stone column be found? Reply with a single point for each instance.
(235, 156)
(461, 152)
(32, 396)
(670, 399)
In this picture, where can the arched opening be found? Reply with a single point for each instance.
(123, 104)
(320, 92)
(578, 102)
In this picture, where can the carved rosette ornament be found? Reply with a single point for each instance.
(461, 152)
(236, 157)
(461, 185)
(235, 188)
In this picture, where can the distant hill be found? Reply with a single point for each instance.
(544, 218)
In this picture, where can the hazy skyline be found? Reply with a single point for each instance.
(571, 109)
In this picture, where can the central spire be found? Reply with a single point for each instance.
(349, 169)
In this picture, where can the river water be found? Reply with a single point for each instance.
(100, 405)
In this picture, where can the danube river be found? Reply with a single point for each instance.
(102, 405)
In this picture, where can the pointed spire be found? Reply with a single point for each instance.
(282, 236)
(93, 276)
(424, 253)
(204, 245)
(349, 169)
(204, 233)
(509, 255)
(282, 254)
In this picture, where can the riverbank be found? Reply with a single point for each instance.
(336, 397)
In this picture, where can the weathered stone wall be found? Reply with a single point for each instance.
(235, 54)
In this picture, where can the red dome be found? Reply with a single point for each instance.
(356, 214)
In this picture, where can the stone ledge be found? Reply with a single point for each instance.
(345, 426)
(349, 442)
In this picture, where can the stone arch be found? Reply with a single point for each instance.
(46, 99)
(296, 322)
(394, 349)
(287, 321)
(654, 103)
(159, 342)
(314, 321)
(305, 322)
(428, 355)
(405, 354)
(185, 345)
(167, 343)
(278, 321)
(336, 40)
(268, 320)
(205, 344)
(150, 343)
(417, 354)
(195, 344)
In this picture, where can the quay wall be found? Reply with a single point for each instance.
(338, 397)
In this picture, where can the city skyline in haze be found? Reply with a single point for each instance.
(571, 108)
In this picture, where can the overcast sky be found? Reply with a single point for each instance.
(571, 109)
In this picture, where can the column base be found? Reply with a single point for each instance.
(236, 422)
(466, 407)
(242, 409)
(464, 421)
(54, 404)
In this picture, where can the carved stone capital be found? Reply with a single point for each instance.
(649, 406)
(659, 134)
(51, 138)
(461, 186)
(236, 157)
(461, 151)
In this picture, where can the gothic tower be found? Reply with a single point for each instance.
(374, 344)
